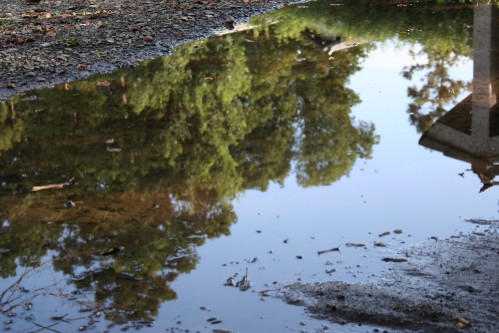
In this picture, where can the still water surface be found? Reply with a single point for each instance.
(247, 152)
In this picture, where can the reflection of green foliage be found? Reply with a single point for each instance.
(429, 23)
(193, 130)
(189, 132)
(438, 88)
(11, 127)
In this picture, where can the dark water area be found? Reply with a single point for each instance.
(132, 201)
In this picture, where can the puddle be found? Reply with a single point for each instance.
(241, 157)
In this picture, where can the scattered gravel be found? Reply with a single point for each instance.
(53, 41)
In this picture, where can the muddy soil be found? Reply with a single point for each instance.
(444, 286)
(44, 42)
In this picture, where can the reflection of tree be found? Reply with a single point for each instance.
(189, 132)
(438, 30)
(438, 89)
(329, 142)
(11, 127)
(184, 135)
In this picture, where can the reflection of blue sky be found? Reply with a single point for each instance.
(404, 186)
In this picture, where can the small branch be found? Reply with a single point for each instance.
(334, 249)
(46, 328)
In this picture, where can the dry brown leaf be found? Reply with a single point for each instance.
(51, 33)
(103, 83)
(80, 67)
(47, 15)
(148, 38)
(29, 15)
(208, 78)
(461, 322)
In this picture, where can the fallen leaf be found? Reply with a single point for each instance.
(246, 1)
(103, 83)
(208, 78)
(148, 38)
(80, 67)
(47, 15)
(287, 4)
(29, 15)
(461, 322)
(51, 33)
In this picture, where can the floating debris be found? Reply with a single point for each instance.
(214, 320)
(113, 150)
(383, 234)
(54, 186)
(379, 244)
(61, 318)
(334, 249)
(394, 260)
(330, 271)
(69, 204)
(461, 322)
(229, 282)
(244, 284)
(397, 231)
(481, 221)
(112, 251)
(355, 245)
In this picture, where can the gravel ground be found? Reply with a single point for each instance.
(44, 42)
(441, 286)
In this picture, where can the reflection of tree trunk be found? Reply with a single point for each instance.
(482, 92)
(124, 99)
(12, 109)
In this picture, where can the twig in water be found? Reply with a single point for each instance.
(46, 328)
(334, 249)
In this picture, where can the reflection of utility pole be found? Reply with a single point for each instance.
(483, 96)
(475, 139)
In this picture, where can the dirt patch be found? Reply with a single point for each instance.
(44, 42)
(445, 286)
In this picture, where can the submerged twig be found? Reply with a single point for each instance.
(46, 327)
(334, 249)
(54, 186)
